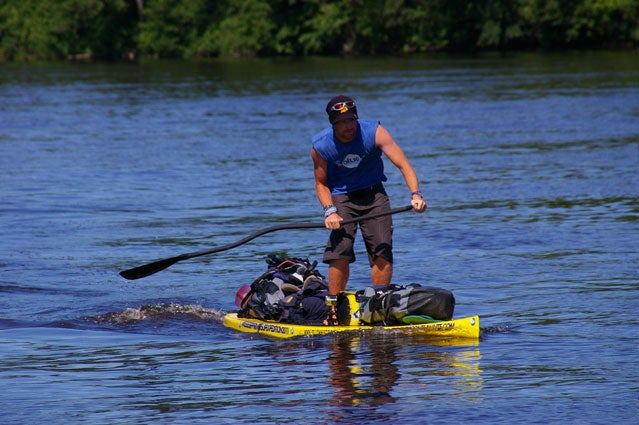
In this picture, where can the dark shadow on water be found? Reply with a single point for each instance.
(347, 375)
(366, 370)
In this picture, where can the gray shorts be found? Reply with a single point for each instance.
(377, 232)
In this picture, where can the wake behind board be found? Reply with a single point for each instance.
(466, 328)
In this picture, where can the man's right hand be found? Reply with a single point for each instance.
(333, 221)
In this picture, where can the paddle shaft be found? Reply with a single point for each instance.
(156, 266)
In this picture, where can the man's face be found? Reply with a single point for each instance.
(345, 130)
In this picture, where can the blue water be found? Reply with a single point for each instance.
(529, 167)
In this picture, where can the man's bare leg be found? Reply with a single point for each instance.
(338, 271)
(381, 272)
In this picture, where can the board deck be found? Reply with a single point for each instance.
(463, 328)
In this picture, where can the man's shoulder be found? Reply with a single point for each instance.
(369, 124)
(321, 135)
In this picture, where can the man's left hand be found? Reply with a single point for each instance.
(418, 204)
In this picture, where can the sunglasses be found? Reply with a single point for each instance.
(341, 105)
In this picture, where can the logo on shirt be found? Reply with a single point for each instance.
(351, 160)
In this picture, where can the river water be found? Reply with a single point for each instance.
(529, 166)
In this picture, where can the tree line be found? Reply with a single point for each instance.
(113, 29)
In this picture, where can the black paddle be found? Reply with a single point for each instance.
(156, 266)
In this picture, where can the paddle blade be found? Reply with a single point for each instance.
(149, 269)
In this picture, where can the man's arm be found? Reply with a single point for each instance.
(322, 190)
(394, 153)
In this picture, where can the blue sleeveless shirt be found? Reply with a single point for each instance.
(354, 165)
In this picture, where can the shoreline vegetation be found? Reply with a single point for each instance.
(80, 30)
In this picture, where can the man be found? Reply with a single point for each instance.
(349, 173)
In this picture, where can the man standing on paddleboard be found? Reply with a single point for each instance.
(349, 176)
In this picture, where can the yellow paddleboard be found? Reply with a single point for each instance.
(464, 328)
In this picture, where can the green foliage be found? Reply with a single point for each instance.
(44, 29)
(33, 29)
(327, 30)
(605, 23)
(245, 30)
(40, 29)
(170, 28)
(501, 23)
